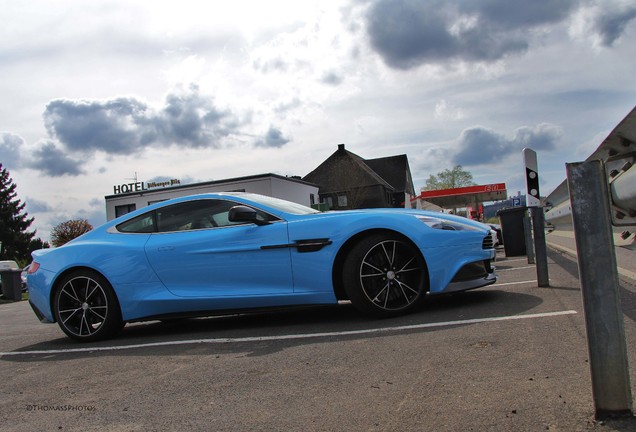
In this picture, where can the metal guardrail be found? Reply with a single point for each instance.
(597, 204)
(618, 152)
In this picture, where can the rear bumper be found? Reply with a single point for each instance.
(39, 314)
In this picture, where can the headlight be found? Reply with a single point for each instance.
(432, 222)
(444, 224)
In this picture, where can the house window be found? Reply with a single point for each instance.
(312, 199)
(329, 201)
(342, 200)
(124, 209)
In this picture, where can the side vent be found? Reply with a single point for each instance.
(488, 242)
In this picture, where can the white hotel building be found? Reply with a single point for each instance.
(133, 196)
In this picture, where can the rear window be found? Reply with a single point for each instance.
(144, 223)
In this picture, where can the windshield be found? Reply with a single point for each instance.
(282, 205)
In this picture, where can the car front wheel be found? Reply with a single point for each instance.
(86, 308)
(384, 275)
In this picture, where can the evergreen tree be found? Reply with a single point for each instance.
(14, 222)
(38, 243)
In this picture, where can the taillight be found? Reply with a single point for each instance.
(33, 267)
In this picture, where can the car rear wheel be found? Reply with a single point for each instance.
(86, 308)
(384, 275)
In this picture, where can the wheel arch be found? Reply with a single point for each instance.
(336, 275)
(70, 270)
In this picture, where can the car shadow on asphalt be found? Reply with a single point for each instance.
(262, 333)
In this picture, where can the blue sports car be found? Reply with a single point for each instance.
(213, 253)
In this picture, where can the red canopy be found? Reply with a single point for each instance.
(467, 196)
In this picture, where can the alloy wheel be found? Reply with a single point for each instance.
(82, 305)
(391, 275)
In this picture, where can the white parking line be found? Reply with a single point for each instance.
(516, 268)
(511, 260)
(286, 337)
(514, 283)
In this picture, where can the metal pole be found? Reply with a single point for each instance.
(540, 248)
(589, 196)
(527, 229)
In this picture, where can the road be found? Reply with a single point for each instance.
(510, 356)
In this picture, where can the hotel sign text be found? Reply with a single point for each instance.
(141, 186)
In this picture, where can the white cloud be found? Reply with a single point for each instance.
(603, 23)
(189, 70)
(446, 111)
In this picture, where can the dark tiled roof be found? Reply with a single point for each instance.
(395, 170)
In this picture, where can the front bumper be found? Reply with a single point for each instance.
(471, 276)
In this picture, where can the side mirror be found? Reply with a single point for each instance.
(241, 213)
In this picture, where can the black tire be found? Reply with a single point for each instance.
(384, 275)
(86, 308)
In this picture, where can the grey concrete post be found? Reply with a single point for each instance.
(589, 196)
(527, 228)
(540, 248)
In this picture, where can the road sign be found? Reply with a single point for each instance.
(533, 199)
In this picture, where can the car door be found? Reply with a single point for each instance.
(198, 252)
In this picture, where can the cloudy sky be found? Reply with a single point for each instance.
(93, 92)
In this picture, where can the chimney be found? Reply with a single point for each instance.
(341, 148)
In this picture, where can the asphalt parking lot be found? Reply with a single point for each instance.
(510, 356)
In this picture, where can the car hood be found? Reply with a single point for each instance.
(399, 211)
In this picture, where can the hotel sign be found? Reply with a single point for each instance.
(141, 186)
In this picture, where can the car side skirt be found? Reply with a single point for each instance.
(229, 312)
(172, 305)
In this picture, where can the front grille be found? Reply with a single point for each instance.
(476, 270)
(488, 242)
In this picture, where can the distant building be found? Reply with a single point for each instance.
(490, 211)
(348, 181)
(134, 196)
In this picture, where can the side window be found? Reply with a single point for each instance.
(144, 223)
(199, 214)
(186, 216)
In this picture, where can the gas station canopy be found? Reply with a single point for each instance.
(468, 196)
